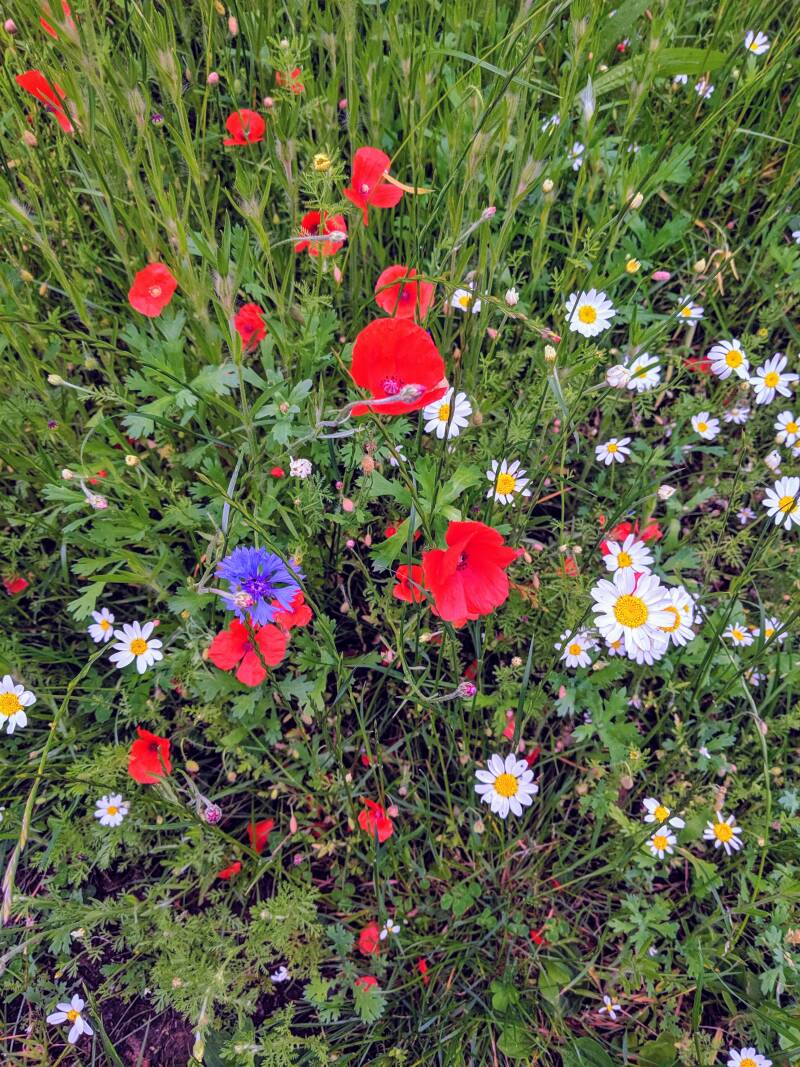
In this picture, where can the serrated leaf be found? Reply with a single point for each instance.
(370, 1003)
(84, 605)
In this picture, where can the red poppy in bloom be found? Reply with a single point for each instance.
(405, 590)
(313, 224)
(244, 127)
(148, 759)
(422, 967)
(15, 585)
(299, 613)
(233, 648)
(393, 356)
(368, 181)
(570, 568)
(374, 820)
(34, 82)
(467, 579)
(651, 532)
(405, 300)
(290, 80)
(152, 289)
(259, 832)
(229, 872)
(249, 324)
(366, 981)
(369, 940)
(67, 19)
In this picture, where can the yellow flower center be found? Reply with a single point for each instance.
(768, 632)
(661, 813)
(702, 427)
(72, 1015)
(671, 630)
(631, 611)
(506, 785)
(660, 842)
(104, 624)
(738, 635)
(464, 300)
(9, 704)
(734, 358)
(587, 314)
(574, 649)
(138, 646)
(771, 379)
(632, 266)
(686, 312)
(111, 809)
(748, 1061)
(444, 413)
(788, 505)
(723, 831)
(624, 559)
(506, 483)
(791, 427)
(612, 447)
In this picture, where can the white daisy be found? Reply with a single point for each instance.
(738, 634)
(575, 155)
(465, 300)
(71, 1013)
(111, 810)
(658, 812)
(589, 313)
(705, 426)
(747, 1057)
(610, 1007)
(632, 554)
(788, 428)
(446, 417)
(770, 629)
(645, 373)
(738, 414)
(506, 785)
(727, 358)
(134, 643)
(508, 480)
(102, 629)
(757, 43)
(653, 654)
(13, 701)
(613, 450)
(681, 608)
(661, 843)
(781, 502)
(704, 88)
(631, 608)
(689, 312)
(389, 927)
(575, 648)
(724, 833)
(618, 376)
(616, 648)
(771, 378)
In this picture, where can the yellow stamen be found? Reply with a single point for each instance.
(788, 505)
(723, 831)
(9, 704)
(771, 379)
(506, 785)
(138, 646)
(587, 314)
(506, 483)
(631, 611)
(624, 559)
(444, 413)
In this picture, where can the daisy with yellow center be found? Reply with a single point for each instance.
(747, 1057)
(781, 502)
(465, 300)
(111, 810)
(738, 634)
(102, 629)
(644, 373)
(614, 450)
(656, 812)
(449, 416)
(757, 43)
(724, 833)
(689, 312)
(575, 648)
(631, 554)
(660, 844)
(589, 313)
(506, 785)
(772, 378)
(772, 628)
(632, 608)
(705, 426)
(788, 428)
(727, 358)
(508, 481)
(135, 643)
(681, 609)
(14, 699)
(71, 1012)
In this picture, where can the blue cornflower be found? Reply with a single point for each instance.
(261, 584)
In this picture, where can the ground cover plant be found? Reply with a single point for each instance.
(401, 453)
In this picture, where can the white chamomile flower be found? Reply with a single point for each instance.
(747, 1057)
(689, 312)
(447, 417)
(704, 89)
(389, 927)
(738, 414)
(13, 701)
(616, 648)
(508, 480)
(465, 300)
(680, 79)
(724, 833)
(632, 608)
(281, 975)
(659, 813)
(589, 313)
(770, 629)
(575, 155)
(788, 428)
(681, 608)
(727, 358)
(772, 460)
(111, 810)
(506, 785)
(781, 502)
(575, 648)
(610, 1007)
(757, 43)
(705, 426)
(645, 373)
(738, 635)
(613, 451)
(661, 843)
(656, 651)
(632, 554)
(102, 629)
(72, 1013)
(771, 378)
(134, 643)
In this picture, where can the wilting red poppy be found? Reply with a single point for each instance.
(229, 872)
(422, 967)
(148, 759)
(15, 585)
(34, 82)
(404, 300)
(152, 289)
(245, 127)
(404, 590)
(249, 324)
(468, 579)
(368, 182)
(290, 80)
(313, 224)
(233, 648)
(369, 940)
(259, 832)
(374, 820)
(366, 981)
(299, 613)
(395, 357)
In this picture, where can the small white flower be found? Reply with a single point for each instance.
(704, 88)
(551, 123)
(727, 358)
(575, 155)
(757, 43)
(465, 300)
(13, 701)
(747, 1057)
(724, 833)
(645, 373)
(738, 414)
(111, 810)
(71, 1013)
(771, 378)
(653, 653)
(2, 813)
(632, 554)
(770, 629)
(659, 813)
(102, 629)
(134, 643)
(665, 491)
(589, 313)
(618, 376)
(506, 785)
(281, 975)
(446, 417)
(512, 297)
(781, 502)
(508, 480)
(575, 648)
(681, 608)
(753, 677)
(613, 451)
(738, 634)
(661, 843)
(680, 79)
(772, 460)
(705, 426)
(689, 312)
(300, 468)
(610, 1007)
(389, 927)
(788, 428)
(796, 236)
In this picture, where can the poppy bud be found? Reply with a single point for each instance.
(67, 474)
(661, 275)
(10, 26)
(343, 104)
(550, 353)
(368, 464)
(348, 505)
(268, 102)
(233, 26)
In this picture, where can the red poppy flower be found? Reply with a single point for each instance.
(15, 585)
(233, 648)
(467, 579)
(152, 289)
(701, 364)
(313, 224)
(290, 80)
(366, 981)
(148, 759)
(249, 324)
(229, 872)
(393, 356)
(651, 532)
(259, 832)
(404, 590)
(533, 756)
(374, 820)
(538, 938)
(369, 940)
(404, 300)
(278, 472)
(34, 82)
(422, 967)
(299, 613)
(245, 127)
(368, 184)
(67, 18)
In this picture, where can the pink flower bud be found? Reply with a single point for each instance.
(10, 26)
(233, 26)
(268, 102)
(347, 504)
(343, 104)
(350, 542)
(661, 275)
(213, 78)
(337, 275)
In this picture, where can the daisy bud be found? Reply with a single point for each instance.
(219, 7)
(618, 376)
(477, 418)
(213, 78)
(550, 354)
(55, 379)
(212, 814)
(233, 26)
(547, 186)
(661, 275)
(67, 474)
(636, 202)
(321, 162)
(192, 766)
(665, 491)
(131, 460)
(512, 297)
(26, 276)
(10, 26)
